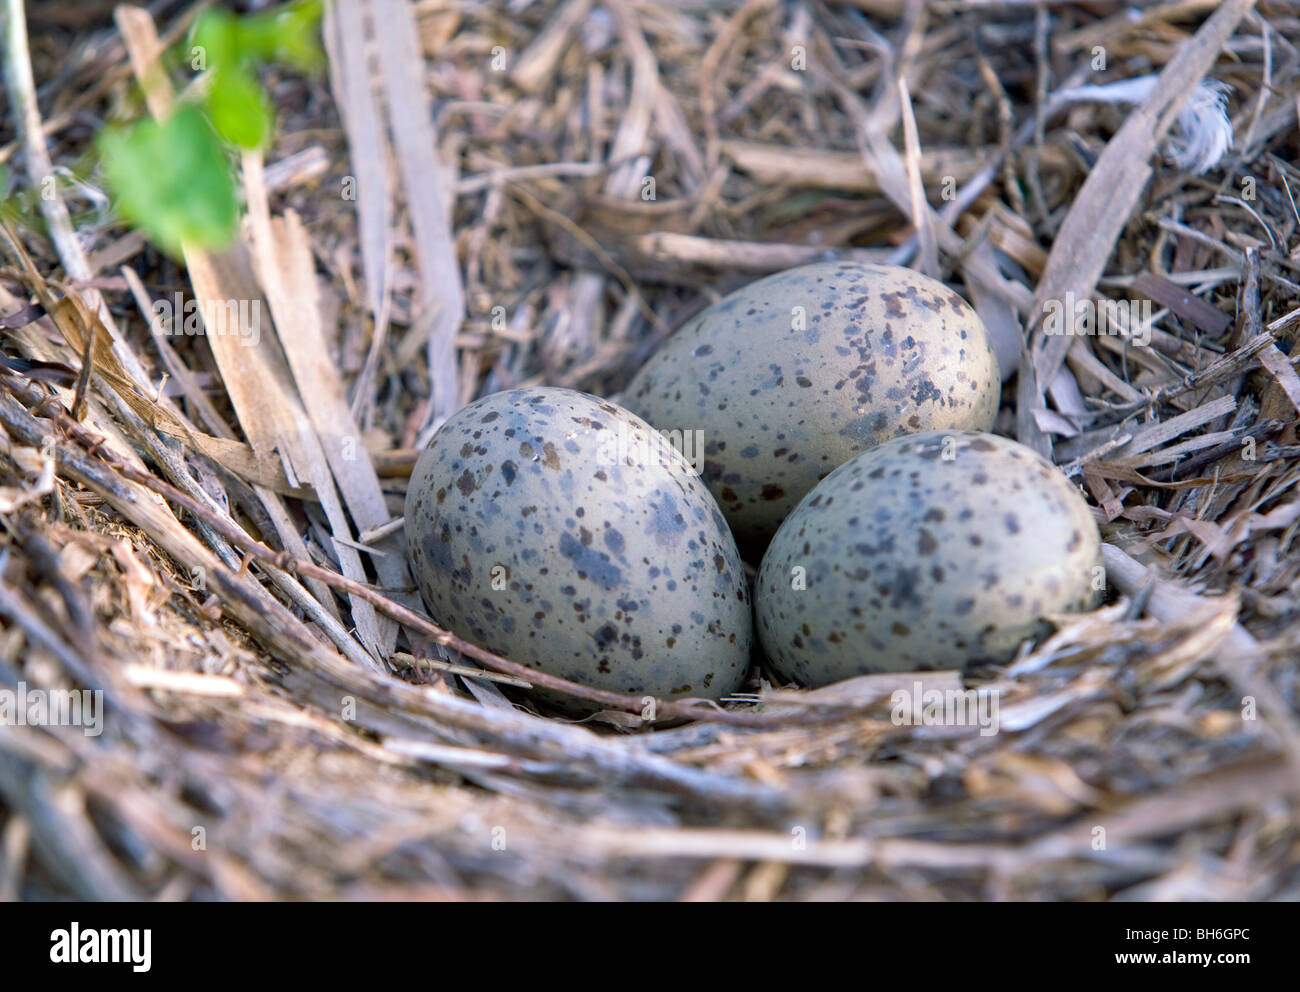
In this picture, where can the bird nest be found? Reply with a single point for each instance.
(201, 526)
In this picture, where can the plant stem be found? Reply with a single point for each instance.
(27, 116)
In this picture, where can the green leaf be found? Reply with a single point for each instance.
(239, 107)
(286, 35)
(172, 180)
(216, 35)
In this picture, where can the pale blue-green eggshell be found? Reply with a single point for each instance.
(561, 531)
(930, 551)
(793, 375)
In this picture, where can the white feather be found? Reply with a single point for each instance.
(1201, 136)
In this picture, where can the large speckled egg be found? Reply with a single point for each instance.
(796, 373)
(564, 533)
(928, 552)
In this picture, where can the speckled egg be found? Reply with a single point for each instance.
(930, 551)
(796, 373)
(564, 533)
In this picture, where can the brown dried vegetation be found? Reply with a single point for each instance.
(200, 550)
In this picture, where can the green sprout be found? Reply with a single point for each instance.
(173, 178)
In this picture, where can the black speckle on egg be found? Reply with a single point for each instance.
(884, 352)
(931, 570)
(582, 599)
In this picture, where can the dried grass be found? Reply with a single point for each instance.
(214, 552)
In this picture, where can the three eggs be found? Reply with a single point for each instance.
(840, 414)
